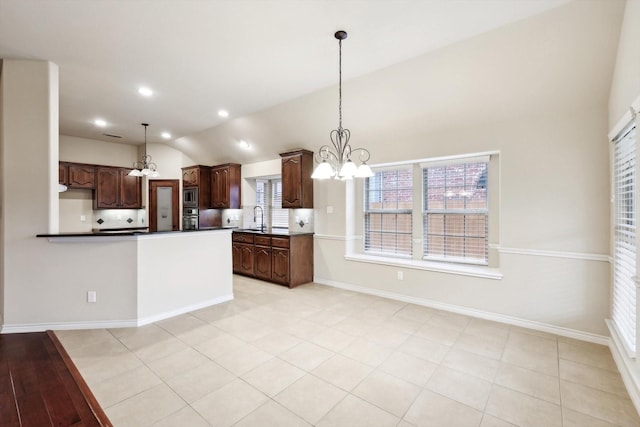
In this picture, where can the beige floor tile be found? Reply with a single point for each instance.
(80, 337)
(135, 338)
(310, 398)
(176, 363)
(243, 327)
(424, 349)
(220, 311)
(536, 361)
(196, 383)
(356, 327)
(432, 409)
(533, 343)
(199, 334)
(145, 408)
(450, 320)
(271, 414)
(487, 328)
(404, 423)
(488, 346)
(371, 315)
(243, 359)
(160, 349)
(408, 368)
(472, 364)
(416, 313)
(355, 412)
(327, 318)
(306, 355)
(97, 369)
(273, 376)
(333, 340)
(602, 379)
(592, 355)
(598, 404)
(545, 387)
(438, 333)
(186, 416)
(367, 352)
(277, 342)
(572, 418)
(304, 329)
(121, 387)
(387, 392)
(215, 347)
(180, 324)
(387, 336)
(522, 410)
(403, 324)
(464, 388)
(229, 404)
(342, 372)
(491, 421)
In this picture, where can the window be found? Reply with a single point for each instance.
(269, 197)
(623, 298)
(455, 211)
(388, 212)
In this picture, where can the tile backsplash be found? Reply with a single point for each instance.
(119, 218)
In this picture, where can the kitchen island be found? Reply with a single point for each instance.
(137, 278)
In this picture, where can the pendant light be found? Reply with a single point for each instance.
(336, 161)
(145, 167)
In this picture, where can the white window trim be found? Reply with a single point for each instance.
(355, 252)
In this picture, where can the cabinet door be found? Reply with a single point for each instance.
(246, 264)
(297, 185)
(263, 262)
(130, 190)
(280, 265)
(190, 177)
(220, 188)
(63, 173)
(236, 254)
(81, 176)
(107, 188)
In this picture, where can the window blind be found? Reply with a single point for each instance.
(279, 216)
(623, 298)
(455, 211)
(388, 212)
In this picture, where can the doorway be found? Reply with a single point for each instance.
(164, 205)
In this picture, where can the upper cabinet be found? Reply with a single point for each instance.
(115, 189)
(77, 175)
(199, 176)
(297, 185)
(225, 186)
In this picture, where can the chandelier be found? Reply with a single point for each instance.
(336, 161)
(145, 167)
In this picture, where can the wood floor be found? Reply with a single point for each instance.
(40, 386)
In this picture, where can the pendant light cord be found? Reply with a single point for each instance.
(340, 83)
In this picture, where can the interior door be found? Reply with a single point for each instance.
(164, 205)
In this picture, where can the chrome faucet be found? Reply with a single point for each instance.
(261, 217)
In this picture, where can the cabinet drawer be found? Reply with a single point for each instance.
(263, 240)
(242, 237)
(280, 242)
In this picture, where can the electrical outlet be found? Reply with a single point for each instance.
(329, 209)
(83, 218)
(400, 275)
(92, 296)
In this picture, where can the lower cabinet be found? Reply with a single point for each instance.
(269, 257)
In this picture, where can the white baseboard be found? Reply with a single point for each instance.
(529, 324)
(626, 366)
(109, 324)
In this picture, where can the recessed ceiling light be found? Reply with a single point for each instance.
(145, 91)
(244, 144)
(223, 113)
(166, 135)
(100, 123)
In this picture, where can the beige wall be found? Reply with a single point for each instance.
(625, 86)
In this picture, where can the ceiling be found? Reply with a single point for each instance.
(242, 56)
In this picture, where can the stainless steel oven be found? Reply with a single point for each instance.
(190, 198)
(190, 219)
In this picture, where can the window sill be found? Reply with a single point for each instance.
(440, 267)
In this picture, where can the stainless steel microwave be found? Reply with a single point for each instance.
(190, 198)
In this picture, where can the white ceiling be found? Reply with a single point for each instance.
(200, 56)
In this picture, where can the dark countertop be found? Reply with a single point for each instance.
(125, 232)
(273, 232)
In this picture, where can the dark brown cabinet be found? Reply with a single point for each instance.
(199, 176)
(77, 175)
(286, 260)
(297, 185)
(225, 186)
(115, 189)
